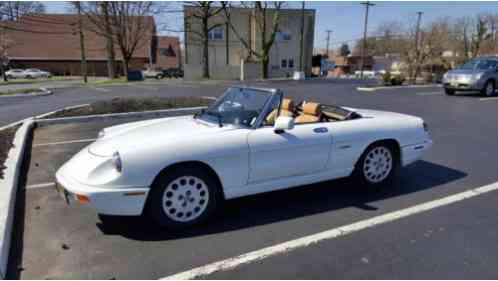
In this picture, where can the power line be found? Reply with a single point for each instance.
(328, 41)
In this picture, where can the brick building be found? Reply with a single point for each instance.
(51, 42)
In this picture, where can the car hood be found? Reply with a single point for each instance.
(464, 71)
(134, 135)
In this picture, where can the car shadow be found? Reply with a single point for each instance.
(288, 204)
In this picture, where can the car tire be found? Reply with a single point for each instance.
(378, 165)
(449, 92)
(159, 76)
(489, 88)
(183, 196)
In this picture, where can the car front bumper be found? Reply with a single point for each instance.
(106, 201)
(413, 152)
(463, 85)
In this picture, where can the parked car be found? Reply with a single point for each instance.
(480, 74)
(177, 170)
(15, 73)
(173, 73)
(28, 73)
(153, 73)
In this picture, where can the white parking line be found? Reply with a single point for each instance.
(40, 185)
(144, 87)
(486, 99)
(429, 94)
(100, 89)
(285, 247)
(63, 142)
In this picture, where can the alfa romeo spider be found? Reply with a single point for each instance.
(177, 170)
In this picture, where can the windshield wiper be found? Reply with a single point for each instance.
(217, 115)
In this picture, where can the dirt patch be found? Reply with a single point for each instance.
(120, 105)
(21, 91)
(6, 143)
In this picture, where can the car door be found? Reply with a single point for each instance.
(300, 151)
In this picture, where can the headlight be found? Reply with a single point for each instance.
(445, 76)
(116, 160)
(101, 134)
(477, 76)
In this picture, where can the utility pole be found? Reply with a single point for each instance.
(364, 48)
(82, 44)
(417, 48)
(301, 55)
(328, 41)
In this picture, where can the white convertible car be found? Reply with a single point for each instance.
(178, 169)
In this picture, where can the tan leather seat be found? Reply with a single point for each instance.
(287, 109)
(311, 113)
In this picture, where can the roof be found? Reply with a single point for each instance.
(56, 37)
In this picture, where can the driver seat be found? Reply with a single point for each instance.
(286, 109)
(311, 113)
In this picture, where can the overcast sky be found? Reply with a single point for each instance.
(345, 18)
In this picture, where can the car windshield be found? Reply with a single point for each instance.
(479, 64)
(33, 70)
(238, 106)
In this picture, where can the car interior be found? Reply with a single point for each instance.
(310, 112)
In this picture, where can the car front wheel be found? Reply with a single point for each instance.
(378, 165)
(183, 197)
(489, 89)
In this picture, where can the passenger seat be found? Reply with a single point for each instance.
(311, 113)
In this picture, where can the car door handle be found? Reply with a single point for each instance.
(320, 130)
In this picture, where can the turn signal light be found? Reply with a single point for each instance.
(82, 199)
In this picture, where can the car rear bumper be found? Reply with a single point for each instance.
(125, 202)
(414, 152)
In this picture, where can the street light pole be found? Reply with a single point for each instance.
(363, 49)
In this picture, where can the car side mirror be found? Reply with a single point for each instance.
(282, 124)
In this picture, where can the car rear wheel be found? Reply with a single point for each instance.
(183, 197)
(378, 165)
(449, 92)
(489, 88)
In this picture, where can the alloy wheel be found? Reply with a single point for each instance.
(185, 198)
(377, 164)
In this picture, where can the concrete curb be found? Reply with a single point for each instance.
(372, 89)
(8, 192)
(44, 92)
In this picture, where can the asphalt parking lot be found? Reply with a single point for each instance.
(56, 241)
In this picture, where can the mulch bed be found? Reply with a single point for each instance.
(120, 105)
(6, 139)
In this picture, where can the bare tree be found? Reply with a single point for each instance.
(97, 15)
(131, 24)
(200, 19)
(13, 10)
(5, 44)
(267, 18)
(480, 35)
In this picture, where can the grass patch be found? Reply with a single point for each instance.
(37, 80)
(120, 105)
(20, 91)
(6, 143)
(103, 82)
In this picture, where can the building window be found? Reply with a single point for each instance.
(167, 52)
(283, 36)
(283, 64)
(216, 34)
(291, 63)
